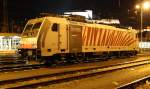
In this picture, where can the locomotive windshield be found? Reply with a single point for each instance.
(29, 27)
(32, 29)
(37, 25)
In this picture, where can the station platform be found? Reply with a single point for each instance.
(8, 52)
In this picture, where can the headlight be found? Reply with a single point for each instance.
(34, 46)
(19, 50)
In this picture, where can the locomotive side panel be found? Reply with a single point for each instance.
(101, 38)
(55, 38)
(42, 34)
(63, 38)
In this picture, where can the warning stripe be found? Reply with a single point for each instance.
(106, 41)
(91, 35)
(88, 35)
(100, 36)
(115, 39)
(116, 43)
(106, 32)
(112, 38)
(95, 36)
(115, 36)
(123, 39)
(108, 37)
(83, 36)
(132, 42)
(128, 41)
(118, 39)
(103, 38)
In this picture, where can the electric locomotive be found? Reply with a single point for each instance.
(53, 38)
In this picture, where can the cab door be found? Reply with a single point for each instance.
(75, 38)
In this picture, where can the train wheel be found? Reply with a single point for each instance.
(57, 59)
(122, 54)
(47, 61)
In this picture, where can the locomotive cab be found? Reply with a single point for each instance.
(28, 44)
(44, 37)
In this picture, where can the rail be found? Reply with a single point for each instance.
(132, 83)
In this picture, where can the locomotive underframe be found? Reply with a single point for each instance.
(35, 54)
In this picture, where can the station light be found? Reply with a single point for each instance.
(137, 6)
(142, 6)
(146, 5)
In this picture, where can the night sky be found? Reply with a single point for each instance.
(32, 7)
(120, 9)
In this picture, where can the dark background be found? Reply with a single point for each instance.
(19, 11)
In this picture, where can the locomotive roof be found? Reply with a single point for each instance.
(67, 20)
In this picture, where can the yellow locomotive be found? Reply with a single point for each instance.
(56, 38)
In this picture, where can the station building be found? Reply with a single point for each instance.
(9, 42)
(145, 42)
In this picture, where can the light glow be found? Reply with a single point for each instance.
(146, 5)
(87, 13)
(144, 44)
(137, 6)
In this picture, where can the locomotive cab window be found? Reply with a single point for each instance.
(37, 25)
(55, 27)
(28, 27)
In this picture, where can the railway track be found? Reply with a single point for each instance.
(20, 67)
(134, 84)
(11, 62)
(6, 60)
(46, 79)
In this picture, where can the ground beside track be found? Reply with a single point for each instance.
(104, 81)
